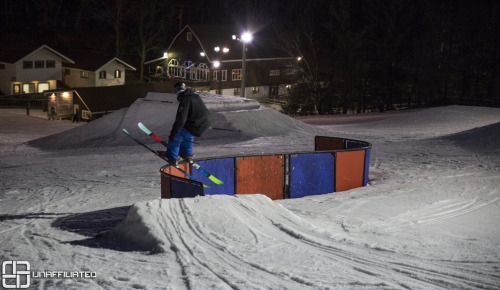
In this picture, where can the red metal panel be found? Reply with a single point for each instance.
(165, 187)
(329, 144)
(260, 174)
(350, 169)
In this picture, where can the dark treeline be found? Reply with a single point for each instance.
(356, 54)
(366, 54)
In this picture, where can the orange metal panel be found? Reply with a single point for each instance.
(329, 144)
(173, 171)
(349, 170)
(260, 174)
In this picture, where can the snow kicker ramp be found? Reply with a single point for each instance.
(251, 242)
(157, 111)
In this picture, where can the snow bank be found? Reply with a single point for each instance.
(156, 225)
(484, 140)
(423, 123)
(247, 242)
(157, 111)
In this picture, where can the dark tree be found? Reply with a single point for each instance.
(355, 53)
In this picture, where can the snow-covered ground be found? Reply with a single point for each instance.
(429, 219)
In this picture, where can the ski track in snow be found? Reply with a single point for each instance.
(245, 234)
(428, 219)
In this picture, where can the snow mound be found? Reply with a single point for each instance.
(213, 223)
(484, 139)
(445, 118)
(157, 111)
(421, 123)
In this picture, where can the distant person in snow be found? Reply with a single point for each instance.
(192, 120)
(75, 117)
(52, 113)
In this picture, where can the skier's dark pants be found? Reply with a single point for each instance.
(182, 144)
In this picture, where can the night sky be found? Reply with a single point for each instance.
(428, 51)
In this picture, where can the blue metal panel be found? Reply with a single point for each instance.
(182, 189)
(312, 174)
(350, 144)
(223, 169)
(367, 166)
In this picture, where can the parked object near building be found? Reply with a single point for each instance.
(60, 104)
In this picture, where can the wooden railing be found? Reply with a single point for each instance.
(22, 100)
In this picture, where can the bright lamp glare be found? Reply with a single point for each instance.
(216, 64)
(246, 37)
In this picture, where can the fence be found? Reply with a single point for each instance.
(337, 164)
(22, 100)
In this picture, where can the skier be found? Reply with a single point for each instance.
(192, 119)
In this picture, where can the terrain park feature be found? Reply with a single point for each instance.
(336, 164)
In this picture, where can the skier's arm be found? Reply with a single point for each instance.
(180, 118)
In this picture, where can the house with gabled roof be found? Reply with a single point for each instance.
(92, 69)
(210, 58)
(24, 70)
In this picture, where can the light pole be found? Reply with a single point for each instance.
(245, 38)
(217, 65)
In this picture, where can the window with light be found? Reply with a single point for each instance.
(236, 74)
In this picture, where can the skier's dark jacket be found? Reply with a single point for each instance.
(192, 114)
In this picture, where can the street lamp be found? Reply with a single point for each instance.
(218, 63)
(246, 37)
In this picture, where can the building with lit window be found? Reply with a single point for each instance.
(32, 71)
(210, 58)
(94, 70)
(87, 84)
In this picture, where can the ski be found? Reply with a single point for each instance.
(153, 135)
(156, 153)
(194, 164)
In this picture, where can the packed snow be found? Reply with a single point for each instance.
(83, 197)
